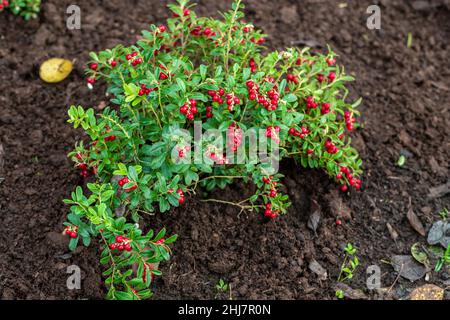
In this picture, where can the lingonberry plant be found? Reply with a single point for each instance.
(217, 73)
(25, 8)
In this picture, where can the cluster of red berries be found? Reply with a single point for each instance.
(349, 120)
(356, 183)
(247, 28)
(269, 213)
(331, 147)
(310, 103)
(330, 61)
(272, 185)
(91, 80)
(199, 31)
(209, 113)
(163, 75)
(325, 108)
(182, 151)
(273, 95)
(232, 100)
(331, 77)
(124, 181)
(292, 78)
(132, 57)
(110, 138)
(217, 96)
(122, 243)
(252, 65)
(296, 133)
(4, 4)
(272, 132)
(259, 41)
(181, 200)
(84, 167)
(71, 231)
(186, 12)
(234, 137)
(189, 109)
(216, 157)
(144, 90)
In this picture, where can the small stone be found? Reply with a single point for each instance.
(320, 271)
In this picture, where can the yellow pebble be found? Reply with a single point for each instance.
(55, 70)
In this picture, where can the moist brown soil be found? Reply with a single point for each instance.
(406, 95)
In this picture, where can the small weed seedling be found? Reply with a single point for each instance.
(223, 287)
(444, 214)
(401, 161)
(348, 267)
(443, 260)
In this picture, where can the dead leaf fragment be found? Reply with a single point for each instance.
(414, 221)
(427, 292)
(350, 293)
(314, 218)
(408, 268)
(392, 231)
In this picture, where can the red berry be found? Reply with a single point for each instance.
(123, 181)
(127, 247)
(113, 63)
(310, 151)
(162, 76)
(183, 109)
(339, 176)
(162, 28)
(73, 234)
(343, 188)
(131, 188)
(338, 222)
(113, 246)
(119, 239)
(94, 66)
(120, 247)
(186, 12)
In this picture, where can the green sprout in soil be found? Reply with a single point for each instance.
(223, 287)
(401, 161)
(348, 267)
(444, 214)
(445, 259)
(410, 40)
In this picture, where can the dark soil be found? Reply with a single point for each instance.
(406, 95)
